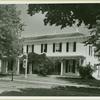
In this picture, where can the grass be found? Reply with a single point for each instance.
(90, 82)
(58, 91)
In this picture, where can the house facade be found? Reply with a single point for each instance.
(68, 50)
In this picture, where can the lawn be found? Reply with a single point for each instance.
(90, 82)
(58, 91)
(33, 89)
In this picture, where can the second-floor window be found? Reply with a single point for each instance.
(74, 47)
(27, 49)
(90, 50)
(30, 48)
(43, 48)
(33, 48)
(57, 47)
(67, 46)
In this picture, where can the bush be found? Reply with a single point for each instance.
(42, 64)
(45, 68)
(86, 72)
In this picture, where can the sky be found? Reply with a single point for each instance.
(34, 25)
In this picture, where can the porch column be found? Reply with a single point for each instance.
(80, 62)
(62, 68)
(6, 66)
(18, 65)
(26, 68)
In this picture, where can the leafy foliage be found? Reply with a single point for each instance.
(64, 15)
(86, 72)
(10, 28)
(42, 64)
(67, 14)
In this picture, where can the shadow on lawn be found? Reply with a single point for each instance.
(58, 91)
(90, 82)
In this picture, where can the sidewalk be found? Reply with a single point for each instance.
(33, 79)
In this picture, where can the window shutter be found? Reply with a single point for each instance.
(53, 47)
(22, 49)
(67, 46)
(89, 50)
(33, 48)
(74, 47)
(45, 47)
(41, 48)
(60, 47)
(27, 49)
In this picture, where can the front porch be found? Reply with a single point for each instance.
(67, 66)
(64, 66)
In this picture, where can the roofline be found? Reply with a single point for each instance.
(84, 35)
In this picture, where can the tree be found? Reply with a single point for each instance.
(68, 14)
(10, 28)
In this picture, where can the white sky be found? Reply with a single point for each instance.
(34, 25)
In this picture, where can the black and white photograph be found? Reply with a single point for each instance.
(50, 49)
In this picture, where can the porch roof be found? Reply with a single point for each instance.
(66, 57)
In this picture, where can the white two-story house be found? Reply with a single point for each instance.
(68, 50)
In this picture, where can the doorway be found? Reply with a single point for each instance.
(57, 69)
(70, 66)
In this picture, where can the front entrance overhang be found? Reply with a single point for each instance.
(66, 57)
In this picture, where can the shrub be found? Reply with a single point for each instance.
(45, 68)
(86, 72)
(42, 64)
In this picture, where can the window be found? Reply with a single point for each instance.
(67, 46)
(74, 47)
(27, 49)
(33, 48)
(90, 50)
(43, 48)
(57, 47)
(53, 47)
(67, 66)
(22, 49)
(73, 67)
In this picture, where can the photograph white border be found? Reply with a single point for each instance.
(48, 97)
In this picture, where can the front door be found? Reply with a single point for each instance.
(70, 66)
(57, 69)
